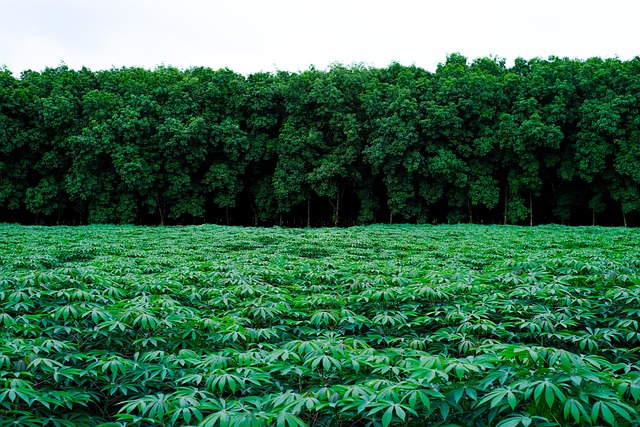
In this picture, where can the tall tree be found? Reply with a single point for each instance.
(16, 155)
(394, 147)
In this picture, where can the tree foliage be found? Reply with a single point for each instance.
(542, 141)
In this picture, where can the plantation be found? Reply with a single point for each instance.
(371, 326)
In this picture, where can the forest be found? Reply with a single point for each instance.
(552, 140)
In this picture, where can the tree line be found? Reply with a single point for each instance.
(543, 141)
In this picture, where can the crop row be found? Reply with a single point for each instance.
(467, 326)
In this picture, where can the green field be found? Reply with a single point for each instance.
(381, 325)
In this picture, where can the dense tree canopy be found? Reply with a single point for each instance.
(555, 140)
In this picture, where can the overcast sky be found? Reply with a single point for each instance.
(248, 36)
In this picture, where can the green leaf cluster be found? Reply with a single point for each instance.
(380, 325)
(542, 141)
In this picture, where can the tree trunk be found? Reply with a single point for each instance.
(161, 213)
(254, 209)
(624, 217)
(593, 217)
(161, 209)
(391, 218)
(226, 214)
(336, 215)
(351, 221)
(530, 210)
(308, 213)
(470, 211)
(506, 203)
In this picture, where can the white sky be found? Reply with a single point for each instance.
(248, 36)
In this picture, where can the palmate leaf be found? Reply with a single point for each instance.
(500, 397)
(609, 409)
(283, 400)
(284, 355)
(5, 361)
(221, 380)
(355, 390)
(461, 368)
(390, 409)
(288, 419)
(131, 419)
(187, 414)
(151, 406)
(70, 398)
(525, 354)
(564, 359)
(445, 410)
(21, 419)
(146, 321)
(632, 388)
(154, 341)
(6, 320)
(523, 420)
(303, 403)
(253, 376)
(388, 370)
(325, 318)
(287, 369)
(461, 391)
(113, 325)
(575, 409)
(45, 364)
(122, 389)
(326, 362)
(423, 396)
(13, 394)
(18, 389)
(65, 312)
(249, 419)
(356, 404)
(546, 388)
(98, 314)
(221, 415)
(62, 422)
